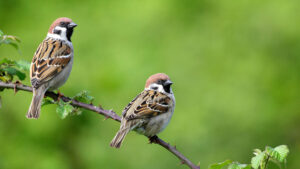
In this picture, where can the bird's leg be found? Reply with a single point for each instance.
(15, 86)
(153, 139)
(60, 95)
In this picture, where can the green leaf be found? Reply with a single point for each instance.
(21, 75)
(17, 39)
(247, 166)
(258, 160)
(84, 97)
(13, 71)
(23, 65)
(278, 153)
(220, 165)
(10, 40)
(283, 150)
(272, 153)
(257, 151)
(14, 45)
(7, 61)
(0, 102)
(10, 68)
(76, 111)
(236, 165)
(47, 101)
(4, 79)
(64, 109)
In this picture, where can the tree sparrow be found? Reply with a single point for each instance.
(150, 112)
(52, 62)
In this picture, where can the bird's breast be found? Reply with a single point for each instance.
(156, 124)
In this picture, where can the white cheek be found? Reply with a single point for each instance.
(62, 36)
(63, 31)
(159, 87)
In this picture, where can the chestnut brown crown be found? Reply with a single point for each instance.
(156, 78)
(59, 21)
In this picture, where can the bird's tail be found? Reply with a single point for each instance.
(118, 139)
(35, 106)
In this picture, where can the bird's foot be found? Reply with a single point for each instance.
(15, 86)
(153, 139)
(60, 95)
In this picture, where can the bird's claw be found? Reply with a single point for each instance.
(15, 86)
(153, 139)
(60, 95)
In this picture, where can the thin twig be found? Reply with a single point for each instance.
(266, 163)
(106, 113)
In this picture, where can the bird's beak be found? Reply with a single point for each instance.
(72, 25)
(168, 82)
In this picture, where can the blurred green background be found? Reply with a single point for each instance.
(235, 67)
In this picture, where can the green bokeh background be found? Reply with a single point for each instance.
(235, 67)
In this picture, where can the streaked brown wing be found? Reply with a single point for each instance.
(152, 103)
(130, 104)
(50, 59)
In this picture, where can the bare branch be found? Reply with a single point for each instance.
(107, 113)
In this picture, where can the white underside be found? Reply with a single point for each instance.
(62, 77)
(157, 124)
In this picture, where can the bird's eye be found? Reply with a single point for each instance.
(62, 23)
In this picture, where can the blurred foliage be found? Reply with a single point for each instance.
(230, 165)
(9, 39)
(235, 67)
(260, 160)
(84, 97)
(9, 68)
(65, 108)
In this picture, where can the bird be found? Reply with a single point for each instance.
(150, 111)
(52, 63)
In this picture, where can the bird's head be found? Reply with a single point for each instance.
(62, 28)
(159, 82)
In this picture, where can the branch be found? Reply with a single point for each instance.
(107, 113)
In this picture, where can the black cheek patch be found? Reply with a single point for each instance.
(154, 88)
(57, 31)
(167, 88)
(69, 33)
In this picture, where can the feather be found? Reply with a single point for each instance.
(148, 104)
(51, 57)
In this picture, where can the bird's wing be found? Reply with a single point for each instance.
(148, 104)
(51, 57)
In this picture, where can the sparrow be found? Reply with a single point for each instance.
(52, 62)
(150, 111)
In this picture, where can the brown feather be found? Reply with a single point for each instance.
(48, 61)
(144, 106)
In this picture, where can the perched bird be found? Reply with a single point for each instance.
(52, 62)
(150, 111)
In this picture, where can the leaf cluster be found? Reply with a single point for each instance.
(66, 108)
(277, 155)
(259, 161)
(10, 69)
(230, 165)
(10, 40)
